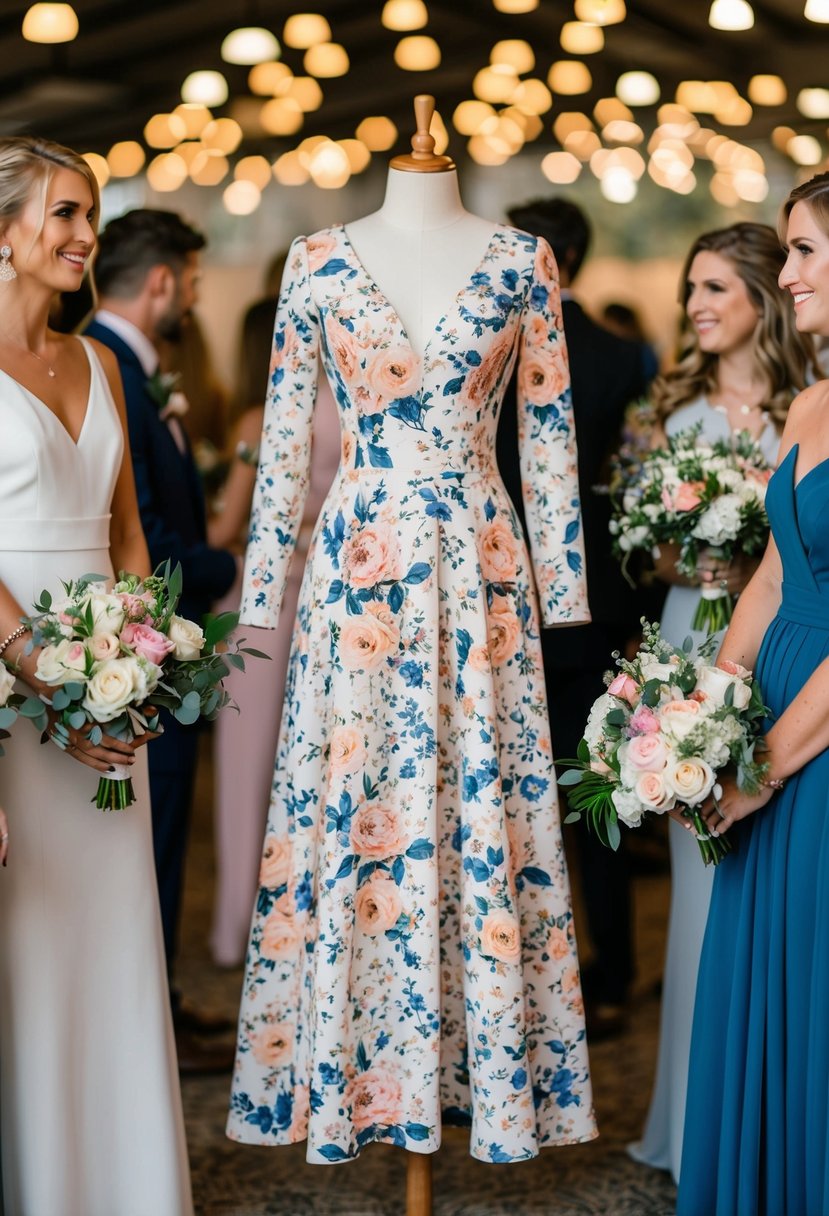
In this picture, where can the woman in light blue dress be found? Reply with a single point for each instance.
(740, 373)
(757, 1126)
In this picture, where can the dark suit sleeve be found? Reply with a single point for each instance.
(207, 572)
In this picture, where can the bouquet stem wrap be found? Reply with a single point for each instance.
(115, 791)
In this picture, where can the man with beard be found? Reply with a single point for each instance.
(147, 273)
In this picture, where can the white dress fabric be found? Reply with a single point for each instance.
(89, 1097)
(691, 881)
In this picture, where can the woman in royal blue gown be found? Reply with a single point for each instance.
(757, 1119)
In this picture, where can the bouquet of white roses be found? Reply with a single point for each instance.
(657, 738)
(699, 496)
(115, 656)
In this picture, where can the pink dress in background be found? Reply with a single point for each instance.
(245, 742)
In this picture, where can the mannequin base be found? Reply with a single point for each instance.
(418, 1184)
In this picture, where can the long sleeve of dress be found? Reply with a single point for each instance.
(284, 465)
(547, 445)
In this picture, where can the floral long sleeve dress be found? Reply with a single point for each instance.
(412, 955)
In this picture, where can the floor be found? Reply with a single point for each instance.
(596, 1179)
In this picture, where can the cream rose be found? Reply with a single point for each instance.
(499, 552)
(377, 832)
(680, 717)
(366, 642)
(281, 938)
(116, 684)
(275, 867)
(654, 792)
(377, 905)
(348, 751)
(501, 938)
(715, 682)
(108, 614)
(6, 684)
(59, 663)
(691, 780)
(104, 646)
(187, 638)
(375, 1098)
(273, 1045)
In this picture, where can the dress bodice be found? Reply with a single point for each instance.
(715, 426)
(55, 492)
(797, 511)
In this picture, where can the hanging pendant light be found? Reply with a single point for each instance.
(50, 23)
(817, 10)
(249, 45)
(731, 15)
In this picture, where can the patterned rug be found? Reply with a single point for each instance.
(596, 1179)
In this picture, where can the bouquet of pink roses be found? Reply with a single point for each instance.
(668, 723)
(115, 656)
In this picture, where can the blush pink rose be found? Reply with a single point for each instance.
(147, 642)
(685, 497)
(498, 552)
(366, 642)
(625, 688)
(371, 556)
(377, 905)
(348, 751)
(273, 1045)
(734, 669)
(377, 832)
(501, 938)
(135, 606)
(320, 248)
(482, 381)
(343, 347)
(543, 374)
(647, 752)
(375, 1098)
(644, 721)
(275, 868)
(504, 630)
(281, 938)
(478, 658)
(393, 373)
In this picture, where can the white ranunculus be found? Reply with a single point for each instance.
(116, 684)
(721, 521)
(691, 780)
(628, 806)
(188, 638)
(6, 684)
(715, 683)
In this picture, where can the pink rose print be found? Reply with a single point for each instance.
(348, 751)
(299, 1115)
(546, 270)
(375, 1098)
(537, 331)
(377, 905)
(500, 937)
(393, 373)
(285, 355)
(366, 642)
(275, 869)
(481, 381)
(281, 938)
(377, 832)
(320, 249)
(371, 556)
(558, 945)
(499, 552)
(343, 348)
(504, 630)
(147, 642)
(478, 658)
(273, 1045)
(543, 374)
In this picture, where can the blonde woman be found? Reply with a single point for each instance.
(89, 1097)
(744, 364)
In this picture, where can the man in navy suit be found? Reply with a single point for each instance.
(147, 273)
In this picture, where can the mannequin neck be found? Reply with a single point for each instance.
(417, 202)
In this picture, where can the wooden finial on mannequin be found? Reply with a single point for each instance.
(423, 158)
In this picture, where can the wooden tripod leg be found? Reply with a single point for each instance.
(418, 1184)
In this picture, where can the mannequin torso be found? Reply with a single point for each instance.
(421, 248)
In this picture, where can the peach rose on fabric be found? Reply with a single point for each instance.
(543, 374)
(299, 1115)
(281, 938)
(501, 937)
(371, 556)
(381, 611)
(348, 751)
(504, 630)
(558, 945)
(377, 832)
(147, 642)
(546, 268)
(478, 658)
(375, 1098)
(275, 868)
(481, 381)
(536, 331)
(366, 642)
(272, 1046)
(653, 790)
(498, 552)
(320, 248)
(343, 347)
(393, 373)
(647, 752)
(348, 446)
(284, 352)
(377, 905)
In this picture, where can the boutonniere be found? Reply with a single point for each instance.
(163, 388)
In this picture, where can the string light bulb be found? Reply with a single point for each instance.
(731, 15)
(403, 15)
(601, 12)
(250, 44)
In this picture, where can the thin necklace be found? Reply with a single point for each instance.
(39, 358)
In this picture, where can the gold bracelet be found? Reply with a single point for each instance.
(13, 636)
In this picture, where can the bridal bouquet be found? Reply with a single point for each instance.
(657, 738)
(114, 657)
(10, 702)
(699, 496)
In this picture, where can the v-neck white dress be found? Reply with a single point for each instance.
(412, 955)
(90, 1110)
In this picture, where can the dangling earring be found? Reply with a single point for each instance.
(7, 271)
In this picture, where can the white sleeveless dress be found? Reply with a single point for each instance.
(90, 1109)
(691, 881)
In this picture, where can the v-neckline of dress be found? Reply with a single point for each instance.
(497, 234)
(75, 441)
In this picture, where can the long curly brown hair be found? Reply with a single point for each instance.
(785, 357)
